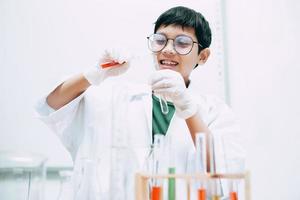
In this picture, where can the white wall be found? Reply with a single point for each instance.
(264, 68)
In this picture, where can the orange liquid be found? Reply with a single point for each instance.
(109, 64)
(233, 196)
(201, 194)
(156, 193)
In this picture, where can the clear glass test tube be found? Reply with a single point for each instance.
(156, 188)
(233, 190)
(201, 164)
(171, 170)
(163, 105)
(232, 166)
(216, 189)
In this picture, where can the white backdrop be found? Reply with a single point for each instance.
(264, 68)
(43, 41)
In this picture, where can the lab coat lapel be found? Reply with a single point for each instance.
(143, 93)
(148, 111)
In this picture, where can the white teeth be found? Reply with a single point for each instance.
(168, 62)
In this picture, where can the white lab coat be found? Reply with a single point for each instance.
(113, 124)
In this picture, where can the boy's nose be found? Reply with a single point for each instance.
(169, 48)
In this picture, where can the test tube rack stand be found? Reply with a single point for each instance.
(141, 181)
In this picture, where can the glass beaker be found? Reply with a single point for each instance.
(66, 191)
(22, 175)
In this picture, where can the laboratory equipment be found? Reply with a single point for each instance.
(171, 170)
(233, 195)
(162, 100)
(233, 189)
(66, 190)
(201, 194)
(201, 163)
(156, 193)
(171, 184)
(233, 166)
(156, 185)
(110, 64)
(163, 104)
(143, 178)
(22, 175)
(216, 189)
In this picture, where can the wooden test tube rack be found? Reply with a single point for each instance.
(141, 182)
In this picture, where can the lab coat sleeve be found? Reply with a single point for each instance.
(65, 122)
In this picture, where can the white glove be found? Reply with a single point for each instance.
(97, 74)
(170, 84)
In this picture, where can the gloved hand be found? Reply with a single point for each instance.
(98, 73)
(170, 84)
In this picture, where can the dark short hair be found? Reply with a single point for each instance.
(186, 17)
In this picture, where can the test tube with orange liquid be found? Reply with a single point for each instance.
(156, 189)
(110, 64)
(201, 163)
(201, 194)
(233, 195)
(156, 193)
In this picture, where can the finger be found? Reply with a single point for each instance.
(164, 91)
(161, 84)
(155, 77)
(158, 76)
(124, 58)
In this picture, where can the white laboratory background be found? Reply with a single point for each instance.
(255, 68)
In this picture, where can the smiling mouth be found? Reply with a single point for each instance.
(168, 64)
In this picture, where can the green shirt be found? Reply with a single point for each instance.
(160, 121)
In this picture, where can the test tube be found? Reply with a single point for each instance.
(156, 190)
(216, 197)
(233, 195)
(156, 193)
(215, 186)
(162, 100)
(233, 167)
(201, 194)
(163, 105)
(216, 189)
(171, 170)
(201, 163)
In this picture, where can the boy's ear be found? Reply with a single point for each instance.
(203, 56)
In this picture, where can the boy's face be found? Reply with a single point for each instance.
(168, 58)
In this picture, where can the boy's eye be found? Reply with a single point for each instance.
(160, 41)
(183, 41)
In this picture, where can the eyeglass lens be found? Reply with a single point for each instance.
(182, 44)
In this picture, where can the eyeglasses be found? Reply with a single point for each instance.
(182, 44)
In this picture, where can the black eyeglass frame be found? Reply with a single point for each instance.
(167, 40)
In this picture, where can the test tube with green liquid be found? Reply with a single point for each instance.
(171, 170)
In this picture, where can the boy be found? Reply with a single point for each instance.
(115, 122)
